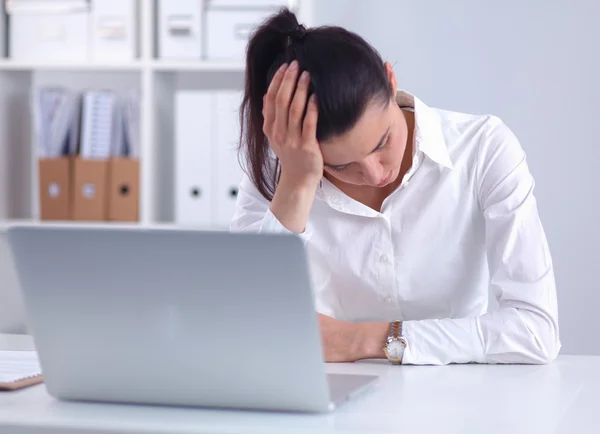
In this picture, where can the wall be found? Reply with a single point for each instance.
(536, 65)
(533, 63)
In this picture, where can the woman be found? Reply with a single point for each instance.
(409, 214)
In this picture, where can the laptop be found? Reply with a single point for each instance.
(172, 316)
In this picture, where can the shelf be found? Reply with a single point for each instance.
(155, 65)
(174, 66)
(5, 224)
(11, 65)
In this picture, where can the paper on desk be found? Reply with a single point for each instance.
(18, 365)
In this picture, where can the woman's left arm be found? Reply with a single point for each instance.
(524, 329)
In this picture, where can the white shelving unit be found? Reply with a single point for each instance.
(157, 82)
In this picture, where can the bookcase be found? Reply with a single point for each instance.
(157, 81)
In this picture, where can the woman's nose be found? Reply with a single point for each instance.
(372, 171)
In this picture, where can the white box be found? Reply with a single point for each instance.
(194, 191)
(47, 30)
(249, 4)
(115, 29)
(228, 31)
(180, 29)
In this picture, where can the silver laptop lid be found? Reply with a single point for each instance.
(171, 316)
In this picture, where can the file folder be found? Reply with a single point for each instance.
(193, 171)
(229, 168)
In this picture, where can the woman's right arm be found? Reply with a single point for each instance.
(292, 136)
(253, 212)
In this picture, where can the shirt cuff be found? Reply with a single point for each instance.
(270, 224)
(442, 341)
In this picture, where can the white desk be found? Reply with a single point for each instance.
(563, 397)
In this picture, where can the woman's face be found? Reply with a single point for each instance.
(371, 153)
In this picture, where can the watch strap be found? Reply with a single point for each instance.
(395, 334)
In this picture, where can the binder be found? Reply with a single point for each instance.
(180, 28)
(229, 169)
(193, 171)
(115, 29)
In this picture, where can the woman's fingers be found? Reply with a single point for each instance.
(269, 100)
(298, 106)
(309, 126)
(283, 100)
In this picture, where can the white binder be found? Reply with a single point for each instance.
(97, 123)
(115, 29)
(193, 141)
(229, 171)
(179, 31)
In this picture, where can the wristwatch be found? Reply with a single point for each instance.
(395, 343)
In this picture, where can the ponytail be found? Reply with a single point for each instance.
(346, 74)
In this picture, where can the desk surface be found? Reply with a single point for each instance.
(563, 397)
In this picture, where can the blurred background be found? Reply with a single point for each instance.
(124, 111)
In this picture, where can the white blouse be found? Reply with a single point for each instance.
(463, 222)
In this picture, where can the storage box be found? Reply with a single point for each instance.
(228, 31)
(55, 188)
(49, 30)
(123, 189)
(115, 30)
(180, 29)
(90, 201)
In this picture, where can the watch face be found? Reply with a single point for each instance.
(395, 349)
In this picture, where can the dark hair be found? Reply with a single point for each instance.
(346, 75)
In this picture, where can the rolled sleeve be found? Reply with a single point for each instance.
(253, 214)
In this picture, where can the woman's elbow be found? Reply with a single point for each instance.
(546, 340)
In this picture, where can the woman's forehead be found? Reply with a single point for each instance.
(361, 139)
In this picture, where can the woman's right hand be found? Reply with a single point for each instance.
(293, 137)
(291, 134)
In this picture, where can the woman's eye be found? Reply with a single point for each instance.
(339, 169)
(387, 140)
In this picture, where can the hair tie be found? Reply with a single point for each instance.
(297, 34)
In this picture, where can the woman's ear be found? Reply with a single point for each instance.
(391, 77)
